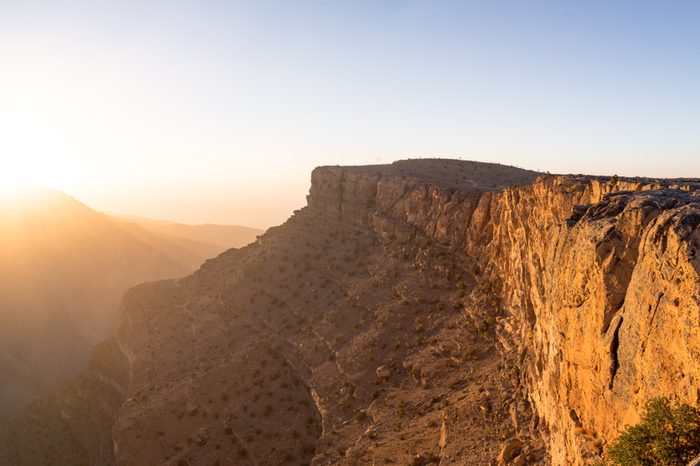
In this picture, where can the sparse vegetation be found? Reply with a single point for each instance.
(269, 366)
(668, 434)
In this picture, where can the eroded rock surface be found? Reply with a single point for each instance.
(424, 312)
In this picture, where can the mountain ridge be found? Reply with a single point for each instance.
(398, 320)
(63, 269)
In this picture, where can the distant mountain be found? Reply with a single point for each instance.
(63, 270)
(207, 240)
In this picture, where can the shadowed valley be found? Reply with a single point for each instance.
(63, 271)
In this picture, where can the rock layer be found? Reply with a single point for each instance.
(598, 278)
(427, 311)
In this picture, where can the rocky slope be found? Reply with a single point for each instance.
(429, 311)
(63, 270)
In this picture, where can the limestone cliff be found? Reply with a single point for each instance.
(427, 311)
(597, 280)
(603, 305)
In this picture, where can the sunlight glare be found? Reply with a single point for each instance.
(41, 124)
(30, 156)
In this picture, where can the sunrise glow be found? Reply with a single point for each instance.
(185, 111)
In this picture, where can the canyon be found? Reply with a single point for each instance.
(63, 270)
(424, 312)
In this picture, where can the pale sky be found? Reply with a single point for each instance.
(216, 111)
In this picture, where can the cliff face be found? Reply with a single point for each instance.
(72, 425)
(426, 311)
(604, 306)
(597, 280)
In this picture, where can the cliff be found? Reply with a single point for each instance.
(428, 311)
(597, 280)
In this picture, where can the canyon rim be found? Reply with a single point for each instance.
(424, 312)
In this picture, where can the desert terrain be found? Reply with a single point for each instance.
(424, 312)
(63, 270)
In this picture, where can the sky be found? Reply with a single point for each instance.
(217, 111)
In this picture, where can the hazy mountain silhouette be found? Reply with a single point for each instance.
(206, 240)
(63, 270)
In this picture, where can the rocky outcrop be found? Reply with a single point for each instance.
(73, 425)
(63, 270)
(597, 280)
(423, 312)
(606, 315)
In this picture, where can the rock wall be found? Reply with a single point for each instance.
(603, 308)
(72, 425)
(597, 277)
(412, 313)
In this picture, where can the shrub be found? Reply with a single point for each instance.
(668, 435)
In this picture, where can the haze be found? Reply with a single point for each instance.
(214, 111)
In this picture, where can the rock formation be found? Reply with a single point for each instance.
(424, 312)
(63, 271)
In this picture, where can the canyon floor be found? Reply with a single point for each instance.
(424, 312)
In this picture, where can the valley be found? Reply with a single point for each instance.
(425, 312)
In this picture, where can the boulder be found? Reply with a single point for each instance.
(510, 449)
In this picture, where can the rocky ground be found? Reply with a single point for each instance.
(63, 270)
(401, 318)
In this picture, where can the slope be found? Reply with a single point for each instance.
(63, 269)
(425, 312)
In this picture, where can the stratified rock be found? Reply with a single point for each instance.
(546, 310)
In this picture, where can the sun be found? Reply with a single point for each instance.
(13, 185)
(16, 172)
(39, 141)
(26, 169)
(13, 178)
(23, 180)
